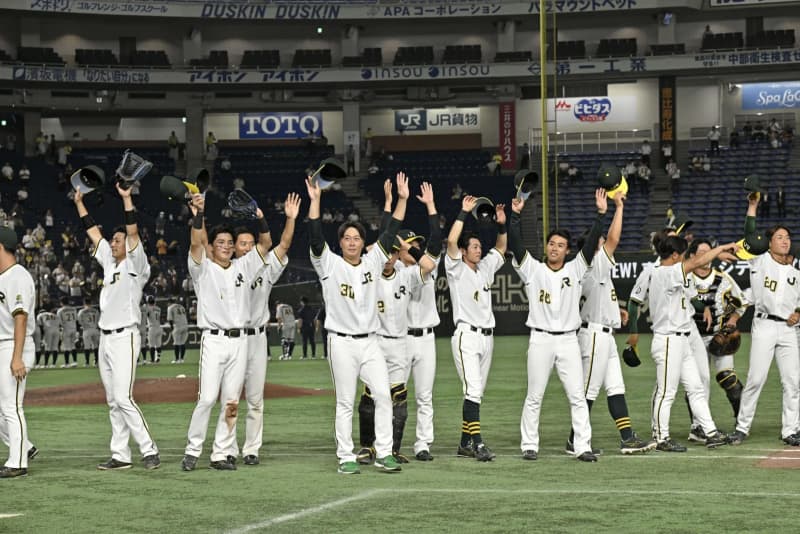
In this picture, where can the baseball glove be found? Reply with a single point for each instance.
(726, 341)
(630, 356)
(242, 204)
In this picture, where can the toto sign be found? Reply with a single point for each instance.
(280, 125)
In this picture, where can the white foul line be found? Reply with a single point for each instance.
(304, 512)
(7, 516)
(605, 491)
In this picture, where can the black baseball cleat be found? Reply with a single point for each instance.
(33, 452)
(793, 440)
(484, 453)
(670, 445)
(189, 462)
(401, 458)
(635, 444)
(13, 472)
(152, 461)
(569, 448)
(465, 452)
(222, 465)
(587, 456)
(424, 456)
(697, 435)
(251, 459)
(716, 439)
(366, 456)
(529, 455)
(113, 464)
(231, 459)
(737, 437)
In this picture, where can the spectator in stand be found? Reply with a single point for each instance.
(763, 205)
(645, 150)
(758, 132)
(574, 174)
(226, 164)
(172, 142)
(11, 142)
(697, 163)
(787, 137)
(368, 143)
(495, 165)
(327, 216)
(61, 278)
(24, 174)
(774, 140)
(211, 147)
(775, 126)
(747, 130)
(63, 154)
(457, 192)
(161, 247)
(713, 136)
(160, 223)
(353, 217)
(706, 163)
(707, 33)
(52, 148)
(22, 195)
(238, 183)
(338, 217)
(7, 171)
(733, 139)
(780, 198)
(351, 160)
(28, 242)
(675, 180)
(644, 179)
(68, 241)
(49, 221)
(631, 173)
(666, 153)
(38, 235)
(41, 144)
(76, 289)
(78, 269)
(563, 168)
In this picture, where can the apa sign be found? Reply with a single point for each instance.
(783, 95)
(280, 125)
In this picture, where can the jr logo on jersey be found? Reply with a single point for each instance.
(565, 282)
(400, 293)
(257, 283)
(367, 278)
(114, 279)
(2, 297)
(239, 280)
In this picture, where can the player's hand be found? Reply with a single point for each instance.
(728, 253)
(78, 198)
(500, 213)
(623, 314)
(707, 318)
(517, 204)
(426, 193)
(601, 200)
(198, 203)
(387, 192)
(633, 340)
(468, 203)
(619, 199)
(313, 189)
(259, 213)
(753, 198)
(402, 186)
(18, 370)
(292, 206)
(404, 245)
(124, 193)
(793, 319)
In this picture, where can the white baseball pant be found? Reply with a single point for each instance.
(350, 359)
(398, 359)
(472, 353)
(91, 339)
(544, 351)
(51, 340)
(180, 334)
(422, 350)
(68, 339)
(117, 356)
(601, 367)
(676, 364)
(772, 339)
(13, 427)
(154, 337)
(223, 361)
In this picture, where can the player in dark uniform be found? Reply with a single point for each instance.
(306, 314)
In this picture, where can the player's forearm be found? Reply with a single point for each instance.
(455, 233)
(750, 223)
(614, 232)
(501, 243)
(590, 246)
(434, 247)
(286, 237)
(633, 316)
(313, 208)
(386, 217)
(515, 237)
(20, 329)
(386, 239)
(264, 236)
(400, 209)
(315, 238)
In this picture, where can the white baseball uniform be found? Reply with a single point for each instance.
(176, 315)
(472, 342)
(394, 295)
(51, 330)
(119, 345)
(69, 327)
(672, 352)
(88, 318)
(223, 313)
(155, 332)
(776, 295)
(143, 327)
(350, 294)
(554, 320)
(256, 366)
(17, 295)
(285, 316)
(421, 346)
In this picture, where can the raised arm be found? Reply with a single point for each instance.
(590, 246)
(131, 228)
(316, 240)
(264, 237)
(515, 230)
(501, 243)
(386, 216)
(198, 232)
(386, 239)
(727, 250)
(88, 222)
(467, 203)
(292, 210)
(434, 247)
(615, 230)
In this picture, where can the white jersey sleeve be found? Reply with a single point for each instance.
(138, 258)
(641, 288)
(17, 295)
(102, 253)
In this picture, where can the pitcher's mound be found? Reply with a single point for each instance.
(146, 391)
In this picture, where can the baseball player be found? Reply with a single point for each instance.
(143, 335)
(51, 331)
(37, 343)
(125, 273)
(671, 348)
(176, 316)
(776, 297)
(223, 288)
(716, 291)
(68, 317)
(470, 278)
(256, 371)
(155, 332)
(600, 316)
(349, 288)
(88, 317)
(395, 288)
(306, 315)
(554, 291)
(17, 302)
(287, 327)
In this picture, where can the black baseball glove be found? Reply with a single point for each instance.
(631, 357)
(241, 203)
(726, 341)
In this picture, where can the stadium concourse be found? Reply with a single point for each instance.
(133, 132)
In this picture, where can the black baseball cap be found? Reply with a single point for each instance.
(8, 238)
